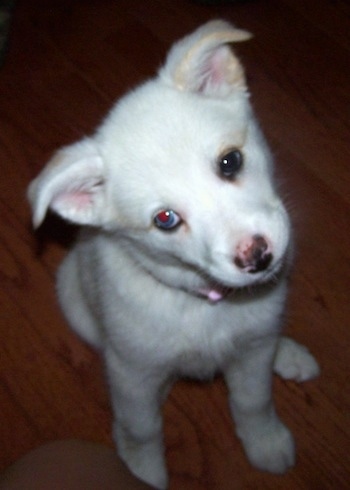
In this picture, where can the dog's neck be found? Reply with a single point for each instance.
(212, 291)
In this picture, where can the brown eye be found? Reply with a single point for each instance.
(231, 164)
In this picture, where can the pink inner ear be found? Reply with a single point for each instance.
(218, 68)
(75, 201)
(215, 70)
(79, 198)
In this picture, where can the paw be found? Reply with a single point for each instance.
(294, 361)
(144, 459)
(271, 450)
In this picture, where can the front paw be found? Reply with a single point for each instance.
(294, 361)
(145, 459)
(271, 450)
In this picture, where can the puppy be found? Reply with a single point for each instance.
(180, 267)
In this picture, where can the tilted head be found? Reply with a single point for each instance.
(181, 172)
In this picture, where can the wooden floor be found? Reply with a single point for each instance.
(67, 62)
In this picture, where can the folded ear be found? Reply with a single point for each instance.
(204, 63)
(73, 185)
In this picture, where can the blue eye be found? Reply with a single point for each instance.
(167, 220)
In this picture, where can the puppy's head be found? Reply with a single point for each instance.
(181, 172)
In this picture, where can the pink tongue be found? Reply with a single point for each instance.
(213, 295)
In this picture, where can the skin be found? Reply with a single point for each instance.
(70, 465)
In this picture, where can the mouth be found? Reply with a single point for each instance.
(215, 291)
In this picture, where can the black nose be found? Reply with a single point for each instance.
(256, 257)
(260, 256)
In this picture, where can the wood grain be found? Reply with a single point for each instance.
(67, 62)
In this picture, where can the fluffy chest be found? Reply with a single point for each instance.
(189, 335)
(150, 323)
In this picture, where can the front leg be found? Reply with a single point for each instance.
(137, 395)
(267, 442)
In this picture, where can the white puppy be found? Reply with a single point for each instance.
(180, 267)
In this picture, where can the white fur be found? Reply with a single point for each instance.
(154, 302)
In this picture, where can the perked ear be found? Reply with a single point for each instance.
(204, 63)
(72, 185)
